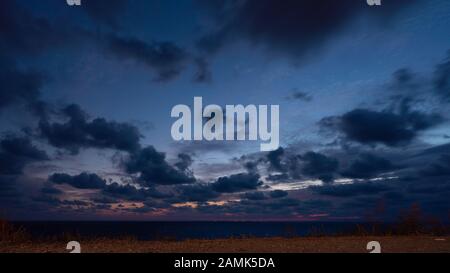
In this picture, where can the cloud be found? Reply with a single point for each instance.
(203, 74)
(441, 79)
(127, 192)
(78, 132)
(278, 177)
(104, 200)
(299, 95)
(154, 169)
(295, 28)
(439, 168)
(275, 159)
(290, 165)
(319, 166)
(404, 80)
(32, 36)
(16, 153)
(166, 58)
(368, 166)
(20, 87)
(389, 128)
(185, 161)
(197, 193)
(132, 193)
(278, 194)
(110, 192)
(237, 182)
(254, 195)
(348, 190)
(81, 181)
(408, 87)
(23, 33)
(251, 166)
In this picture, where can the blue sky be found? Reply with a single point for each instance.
(319, 63)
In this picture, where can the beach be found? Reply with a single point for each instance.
(326, 244)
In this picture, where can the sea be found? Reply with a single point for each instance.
(186, 230)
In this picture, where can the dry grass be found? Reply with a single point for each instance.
(10, 233)
(348, 244)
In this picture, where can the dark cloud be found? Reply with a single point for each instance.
(16, 153)
(407, 88)
(278, 194)
(20, 87)
(51, 202)
(430, 193)
(166, 58)
(81, 181)
(197, 193)
(185, 161)
(77, 203)
(439, 168)
(237, 183)
(110, 192)
(122, 136)
(104, 200)
(203, 74)
(368, 166)
(251, 166)
(293, 27)
(254, 195)
(389, 128)
(23, 33)
(299, 95)
(127, 192)
(154, 169)
(348, 190)
(291, 166)
(436, 150)
(405, 80)
(156, 194)
(275, 159)
(441, 79)
(278, 177)
(319, 166)
(78, 132)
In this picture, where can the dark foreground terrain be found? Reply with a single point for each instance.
(416, 243)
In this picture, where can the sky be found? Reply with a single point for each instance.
(86, 94)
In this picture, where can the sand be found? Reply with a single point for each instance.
(347, 244)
